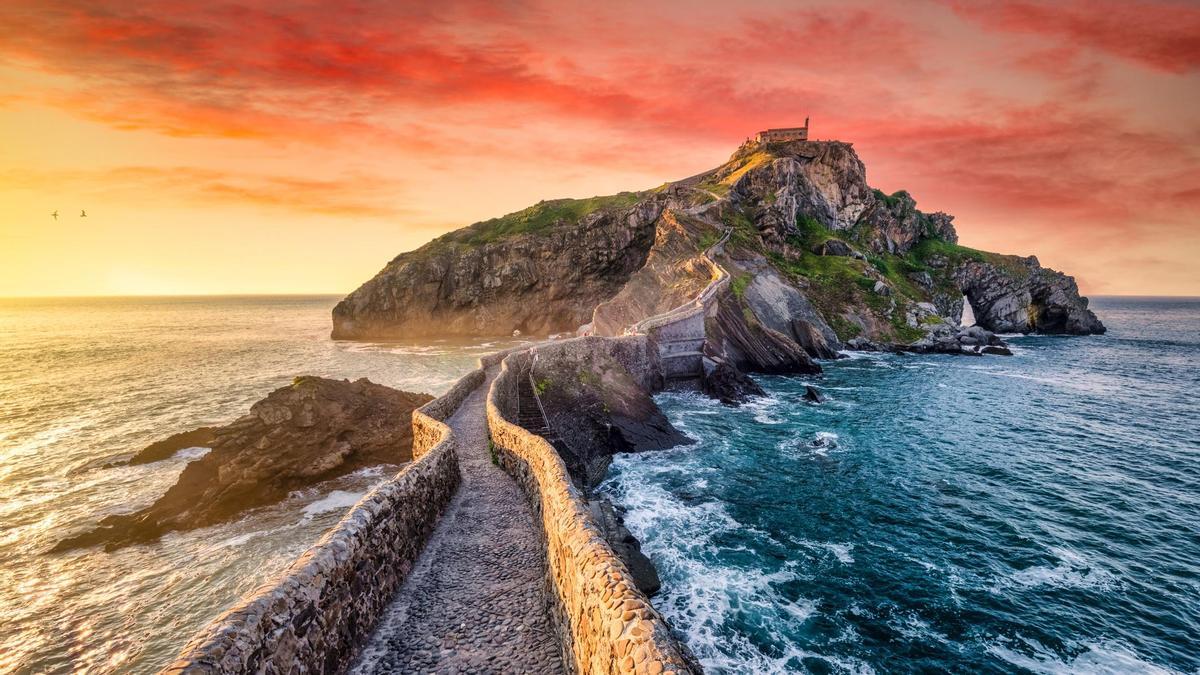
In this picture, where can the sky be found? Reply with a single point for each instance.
(290, 146)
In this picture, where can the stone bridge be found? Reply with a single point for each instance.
(480, 555)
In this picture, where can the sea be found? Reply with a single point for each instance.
(87, 382)
(1038, 513)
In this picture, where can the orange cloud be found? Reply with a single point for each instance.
(1062, 122)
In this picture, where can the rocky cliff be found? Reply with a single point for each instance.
(313, 430)
(817, 257)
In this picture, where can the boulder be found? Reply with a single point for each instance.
(727, 384)
(835, 247)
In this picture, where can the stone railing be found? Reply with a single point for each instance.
(604, 623)
(324, 605)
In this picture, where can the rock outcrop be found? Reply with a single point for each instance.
(727, 384)
(1017, 295)
(598, 408)
(313, 430)
(739, 337)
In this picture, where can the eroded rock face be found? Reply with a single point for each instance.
(671, 276)
(751, 346)
(538, 283)
(1018, 295)
(313, 430)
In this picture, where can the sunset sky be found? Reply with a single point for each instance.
(293, 146)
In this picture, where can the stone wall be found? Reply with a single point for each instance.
(324, 605)
(604, 624)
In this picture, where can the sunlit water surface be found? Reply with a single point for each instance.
(1038, 513)
(83, 382)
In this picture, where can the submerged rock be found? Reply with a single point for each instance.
(299, 435)
(814, 395)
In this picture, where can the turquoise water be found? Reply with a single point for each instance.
(87, 381)
(1039, 513)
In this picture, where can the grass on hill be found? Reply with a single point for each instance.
(542, 216)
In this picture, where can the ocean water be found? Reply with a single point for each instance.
(84, 382)
(1038, 513)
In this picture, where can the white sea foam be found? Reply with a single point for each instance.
(1071, 571)
(192, 453)
(689, 543)
(840, 551)
(238, 540)
(764, 409)
(334, 501)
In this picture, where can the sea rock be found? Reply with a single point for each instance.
(997, 350)
(199, 437)
(812, 247)
(814, 395)
(299, 435)
(727, 384)
(1010, 294)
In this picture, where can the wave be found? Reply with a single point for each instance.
(191, 454)
(763, 408)
(334, 501)
(694, 546)
(1071, 571)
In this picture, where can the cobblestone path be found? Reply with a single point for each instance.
(474, 600)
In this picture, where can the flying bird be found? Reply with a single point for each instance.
(55, 214)
(82, 213)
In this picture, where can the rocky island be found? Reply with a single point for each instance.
(817, 257)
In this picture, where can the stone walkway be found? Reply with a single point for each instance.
(474, 602)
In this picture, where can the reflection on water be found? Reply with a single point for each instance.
(84, 382)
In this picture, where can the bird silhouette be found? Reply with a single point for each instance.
(55, 214)
(82, 213)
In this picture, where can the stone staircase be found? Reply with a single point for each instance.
(532, 417)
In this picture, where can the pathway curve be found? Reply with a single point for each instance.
(474, 602)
